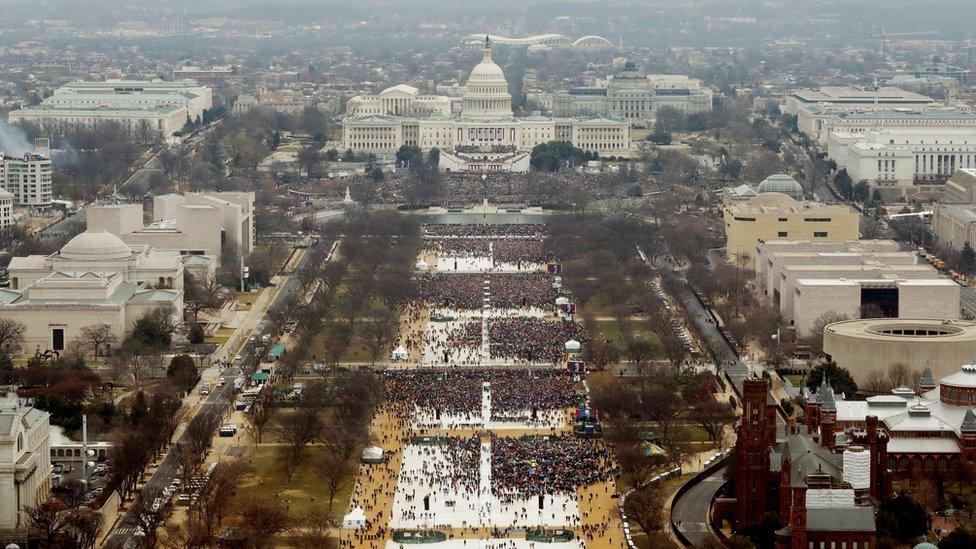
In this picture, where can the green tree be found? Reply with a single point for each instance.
(839, 378)
(844, 184)
(902, 518)
(862, 191)
(182, 372)
(967, 260)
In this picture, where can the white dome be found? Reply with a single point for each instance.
(487, 72)
(95, 246)
(486, 92)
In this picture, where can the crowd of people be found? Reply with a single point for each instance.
(471, 230)
(457, 343)
(527, 467)
(514, 291)
(448, 469)
(531, 339)
(457, 392)
(515, 392)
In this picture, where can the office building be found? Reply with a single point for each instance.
(776, 216)
(193, 224)
(29, 179)
(902, 163)
(163, 108)
(632, 95)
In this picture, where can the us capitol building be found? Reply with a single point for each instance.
(484, 137)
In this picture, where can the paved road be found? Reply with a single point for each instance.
(690, 513)
(218, 402)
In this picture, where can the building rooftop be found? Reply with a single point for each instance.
(841, 519)
(853, 94)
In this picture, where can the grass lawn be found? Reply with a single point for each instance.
(220, 336)
(611, 330)
(305, 491)
(356, 353)
(244, 300)
(795, 379)
(692, 433)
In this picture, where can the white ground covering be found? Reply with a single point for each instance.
(435, 339)
(492, 544)
(458, 506)
(482, 264)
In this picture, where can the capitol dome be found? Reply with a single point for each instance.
(486, 92)
(781, 183)
(487, 72)
(95, 246)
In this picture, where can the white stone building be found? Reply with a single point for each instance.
(484, 137)
(25, 465)
(634, 96)
(193, 224)
(161, 107)
(29, 179)
(96, 278)
(904, 162)
(189, 94)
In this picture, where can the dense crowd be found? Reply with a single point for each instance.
(529, 466)
(512, 291)
(484, 230)
(520, 390)
(531, 339)
(457, 392)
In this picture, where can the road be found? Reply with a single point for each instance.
(690, 513)
(721, 351)
(218, 402)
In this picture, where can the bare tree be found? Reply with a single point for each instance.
(297, 431)
(11, 334)
(261, 412)
(876, 382)
(72, 493)
(378, 331)
(98, 335)
(663, 407)
(47, 521)
(899, 375)
(215, 501)
(262, 518)
(645, 505)
(84, 526)
(149, 511)
(712, 417)
(336, 474)
(313, 530)
(202, 296)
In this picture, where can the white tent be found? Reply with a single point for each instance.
(400, 353)
(355, 519)
(372, 454)
(573, 346)
(562, 301)
(421, 264)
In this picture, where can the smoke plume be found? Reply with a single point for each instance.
(13, 140)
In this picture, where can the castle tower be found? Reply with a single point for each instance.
(967, 436)
(752, 449)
